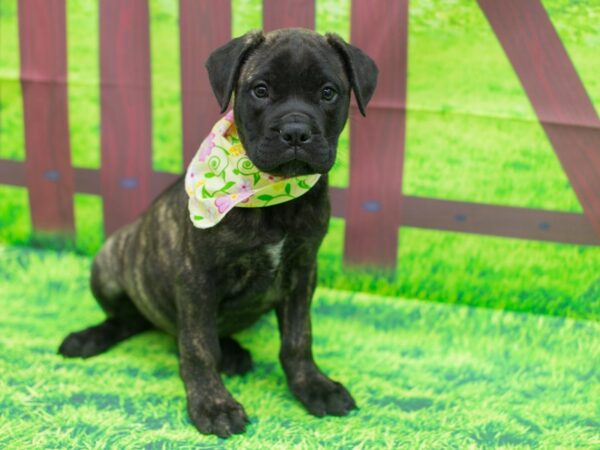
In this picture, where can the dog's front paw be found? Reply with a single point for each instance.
(220, 416)
(322, 396)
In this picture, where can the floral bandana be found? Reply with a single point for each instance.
(221, 176)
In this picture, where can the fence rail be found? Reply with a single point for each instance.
(373, 211)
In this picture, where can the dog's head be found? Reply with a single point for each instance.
(292, 91)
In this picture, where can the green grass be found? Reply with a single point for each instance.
(89, 230)
(492, 272)
(83, 66)
(15, 225)
(511, 161)
(12, 139)
(167, 153)
(245, 15)
(471, 136)
(424, 375)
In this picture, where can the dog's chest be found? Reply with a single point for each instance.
(274, 252)
(250, 285)
(252, 266)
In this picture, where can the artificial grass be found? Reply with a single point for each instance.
(424, 375)
(511, 274)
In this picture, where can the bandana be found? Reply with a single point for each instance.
(222, 176)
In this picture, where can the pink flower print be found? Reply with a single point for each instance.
(244, 187)
(241, 194)
(244, 192)
(229, 116)
(206, 148)
(224, 203)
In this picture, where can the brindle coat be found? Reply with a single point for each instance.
(202, 286)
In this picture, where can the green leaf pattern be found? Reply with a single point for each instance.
(221, 177)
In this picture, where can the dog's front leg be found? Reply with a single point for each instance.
(319, 394)
(211, 407)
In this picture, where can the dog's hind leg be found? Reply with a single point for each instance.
(123, 318)
(235, 359)
(99, 338)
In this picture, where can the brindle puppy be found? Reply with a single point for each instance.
(292, 91)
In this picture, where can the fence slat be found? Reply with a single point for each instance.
(49, 176)
(377, 141)
(288, 13)
(125, 110)
(555, 91)
(202, 29)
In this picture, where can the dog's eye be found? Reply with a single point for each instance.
(260, 91)
(328, 93)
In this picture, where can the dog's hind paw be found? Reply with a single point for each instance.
(82, 344)
(99, 338)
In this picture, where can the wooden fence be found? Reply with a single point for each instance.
(373, 210)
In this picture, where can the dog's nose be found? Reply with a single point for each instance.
(295, 133)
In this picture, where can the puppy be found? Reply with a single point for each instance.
(292, 92)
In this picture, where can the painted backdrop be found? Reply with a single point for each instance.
(474, 179)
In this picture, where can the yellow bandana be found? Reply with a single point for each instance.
(221, 176)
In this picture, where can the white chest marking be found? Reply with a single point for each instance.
(274, 251)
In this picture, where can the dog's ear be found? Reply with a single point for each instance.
(361, 70)
(224, 64)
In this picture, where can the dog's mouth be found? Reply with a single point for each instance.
(290, 165)
(292, 168)
(272, 157)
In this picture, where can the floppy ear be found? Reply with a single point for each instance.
(224, 64)
(361, 70)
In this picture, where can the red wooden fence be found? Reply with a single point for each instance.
(377, 141)
(373, 205)
(48, 172)
(202, 28)
(126, 134)
(288, 13)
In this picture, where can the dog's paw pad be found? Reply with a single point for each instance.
(220, 418)
(325, 397)
(86, 343)
(73, 346)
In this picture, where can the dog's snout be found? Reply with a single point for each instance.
(295, 134)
